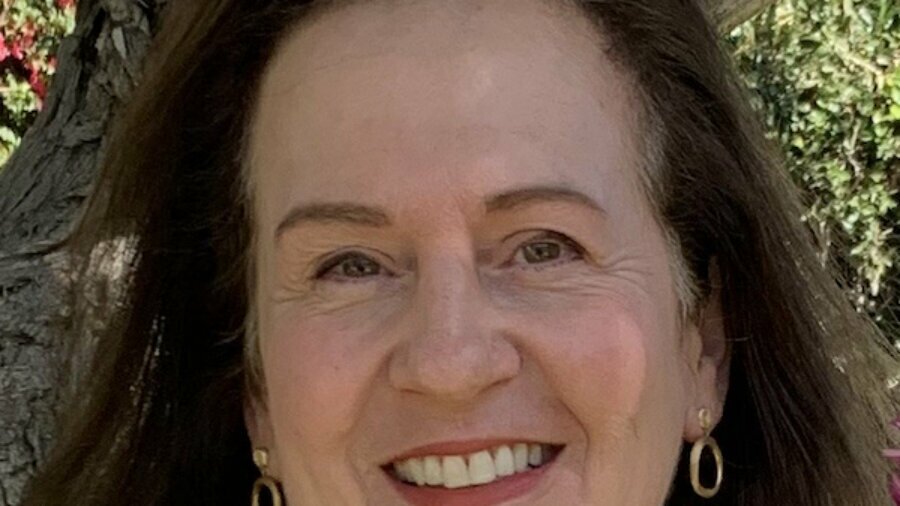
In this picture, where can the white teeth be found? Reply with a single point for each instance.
(402, 470)
(535, 456)
(503, 461)
(416, 471)
(433, 473)
(485, 466)
(481, 468)
(520, 457)
(456, 473)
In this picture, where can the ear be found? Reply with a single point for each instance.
(708, 357)
(259, 426)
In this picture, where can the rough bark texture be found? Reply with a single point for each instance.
(41, 191)
(730, 13)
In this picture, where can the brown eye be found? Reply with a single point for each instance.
(549, 247)
(544, 251)
(349, 265)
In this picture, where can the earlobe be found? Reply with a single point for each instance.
(257, 423)
(710, 357)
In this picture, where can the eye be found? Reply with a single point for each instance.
(548, 248)
(348, 266)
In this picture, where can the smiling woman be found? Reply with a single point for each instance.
(481, 252)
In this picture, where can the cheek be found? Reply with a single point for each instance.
(613, 367)
(599, 364)
(318, 376)
(616, 370)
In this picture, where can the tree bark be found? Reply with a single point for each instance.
(727, 14)
(41, 191)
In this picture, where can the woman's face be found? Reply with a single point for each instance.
(456, 264)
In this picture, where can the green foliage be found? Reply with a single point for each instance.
(30, 31)
(826, 74)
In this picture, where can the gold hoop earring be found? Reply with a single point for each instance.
(261, 459)
(697, 451)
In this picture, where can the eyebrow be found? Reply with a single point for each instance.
(370, 216)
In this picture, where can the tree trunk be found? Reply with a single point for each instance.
(727, 14)
(41, 190)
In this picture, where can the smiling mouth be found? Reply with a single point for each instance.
(473, 469)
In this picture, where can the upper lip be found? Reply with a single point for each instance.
(461, 447)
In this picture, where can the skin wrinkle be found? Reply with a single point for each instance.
(294, 287)
(650, 149)
(454, 342)
(616, 376)
(295, 260)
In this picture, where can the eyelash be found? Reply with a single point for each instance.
(550, 236)
(333, 262)
(546, 236)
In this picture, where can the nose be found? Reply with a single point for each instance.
(454, 348)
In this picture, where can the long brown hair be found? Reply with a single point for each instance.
(157, 416)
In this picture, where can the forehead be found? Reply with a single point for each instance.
(476, 94)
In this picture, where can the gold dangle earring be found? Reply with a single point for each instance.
(261, 459)
(697, 451)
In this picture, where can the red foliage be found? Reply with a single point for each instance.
(24, 44)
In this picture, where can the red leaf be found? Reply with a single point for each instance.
(26, 42)
(16, 50)
(37, 85)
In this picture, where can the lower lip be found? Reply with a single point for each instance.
(489, 494)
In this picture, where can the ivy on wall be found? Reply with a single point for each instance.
(826, 77)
